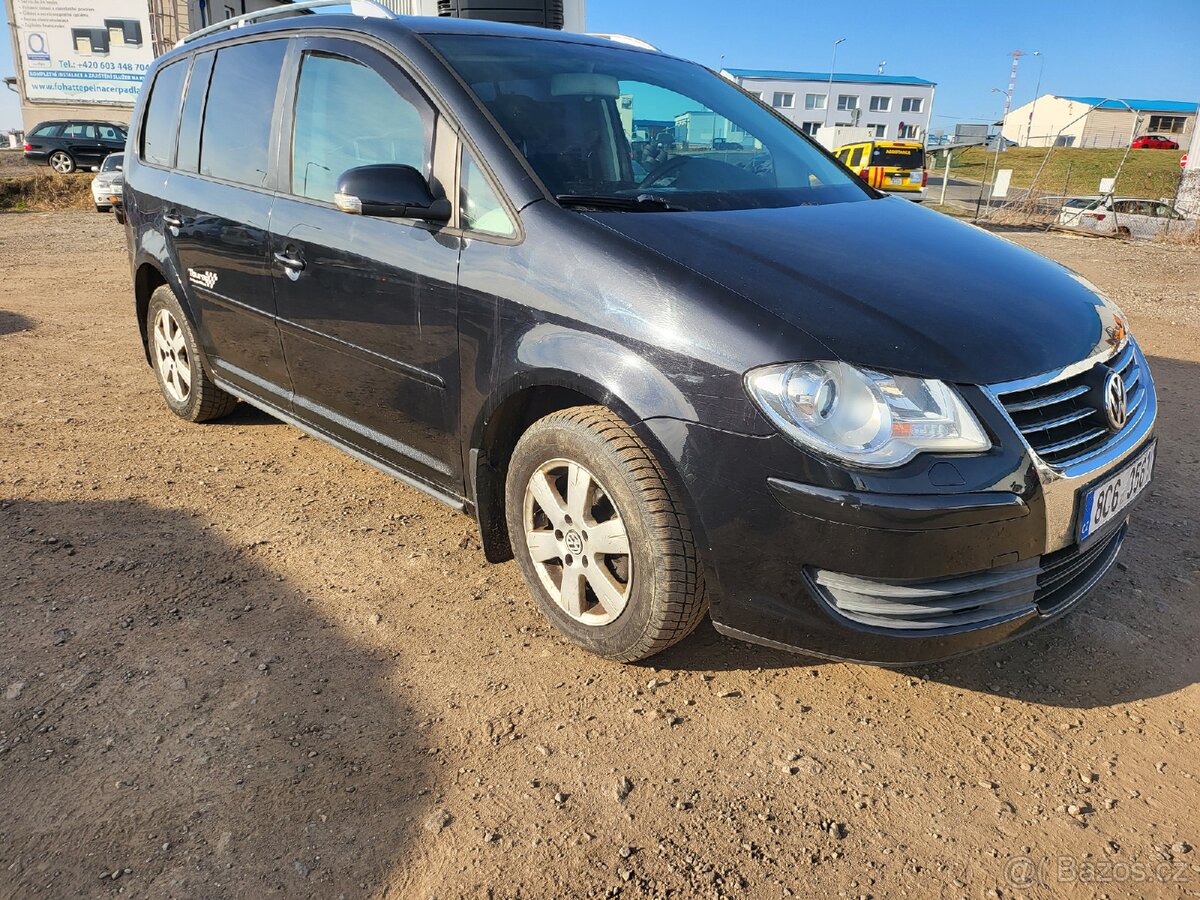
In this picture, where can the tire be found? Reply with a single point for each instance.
(1124, 232)
(62, 162)
(175, 356)
(654, 593)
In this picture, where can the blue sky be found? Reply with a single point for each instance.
(1111, 48)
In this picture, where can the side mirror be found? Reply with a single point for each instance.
(95, 168)
(390, 191)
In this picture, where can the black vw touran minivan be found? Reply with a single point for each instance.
(669, 353)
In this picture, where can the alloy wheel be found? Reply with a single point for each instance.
(174, 363)
(578, 542)
(61, 163)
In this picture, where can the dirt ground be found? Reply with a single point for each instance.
(237, 663)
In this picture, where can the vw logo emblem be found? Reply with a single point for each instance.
(574, 543)
(1115, 401)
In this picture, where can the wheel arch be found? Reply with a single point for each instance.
(520, 402)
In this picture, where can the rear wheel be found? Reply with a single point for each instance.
(62, 162)
(601, 537)
(185, 386)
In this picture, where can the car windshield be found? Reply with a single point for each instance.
(112, 162)
(613, 128)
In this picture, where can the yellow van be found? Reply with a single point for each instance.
(897, 167)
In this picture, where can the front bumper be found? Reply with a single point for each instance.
(936, 558)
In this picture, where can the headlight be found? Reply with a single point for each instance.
(864, 417)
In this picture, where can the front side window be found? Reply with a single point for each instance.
(481, 209)
(784, 100)
(162, 114)
(814, 101)
(670, 149)
(847, 101)
(235, 140)
(348, 115)
(911, 104)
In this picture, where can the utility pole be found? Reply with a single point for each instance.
(832, 67)
(1036, 92)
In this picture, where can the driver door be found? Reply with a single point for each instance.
(367, 307)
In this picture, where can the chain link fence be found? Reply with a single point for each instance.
(1065, 194)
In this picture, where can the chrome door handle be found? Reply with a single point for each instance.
(289, 262)
(172, 221)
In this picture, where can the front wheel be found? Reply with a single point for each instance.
(61, 162)
(601, 536)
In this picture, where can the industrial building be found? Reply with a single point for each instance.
(894, 107)
(87, 59)
(1054, 120)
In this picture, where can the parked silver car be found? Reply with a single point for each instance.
(109, 182)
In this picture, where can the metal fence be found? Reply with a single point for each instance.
(1069, 199)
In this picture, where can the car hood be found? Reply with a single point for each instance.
(887, 284)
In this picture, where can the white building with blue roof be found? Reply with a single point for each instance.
(894, 107)
(1052, 119)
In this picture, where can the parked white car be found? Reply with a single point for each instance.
(1133, 217)
(110, 181)
(1072, 207)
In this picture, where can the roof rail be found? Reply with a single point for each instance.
(366, 8)
(623, 39)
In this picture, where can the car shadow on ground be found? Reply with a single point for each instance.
(11, 322)
(171, 711)
(1134, 637)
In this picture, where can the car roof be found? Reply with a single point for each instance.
(404, 27)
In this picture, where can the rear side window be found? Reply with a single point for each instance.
(855, 157)
(111, 133)
(235, 141)
(188, 157)
(162, 114)
(80, 130)
(348, 115)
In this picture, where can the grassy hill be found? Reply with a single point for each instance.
(1147, 173)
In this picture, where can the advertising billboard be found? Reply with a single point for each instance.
(87, 51)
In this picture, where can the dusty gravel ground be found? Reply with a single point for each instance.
(236, 663)
(13, 162)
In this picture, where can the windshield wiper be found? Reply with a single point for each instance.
(640, 203)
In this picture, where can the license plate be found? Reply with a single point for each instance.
(1105, 501)
(897, 179)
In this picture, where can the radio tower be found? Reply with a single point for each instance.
(1012, 83)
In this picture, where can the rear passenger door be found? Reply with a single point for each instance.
(218, 212)
(81, 141)
(367, 306)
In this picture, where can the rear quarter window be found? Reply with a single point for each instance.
(46, 131)
(162, 114)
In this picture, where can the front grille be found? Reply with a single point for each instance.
(1042, 585)
(1064, 421)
